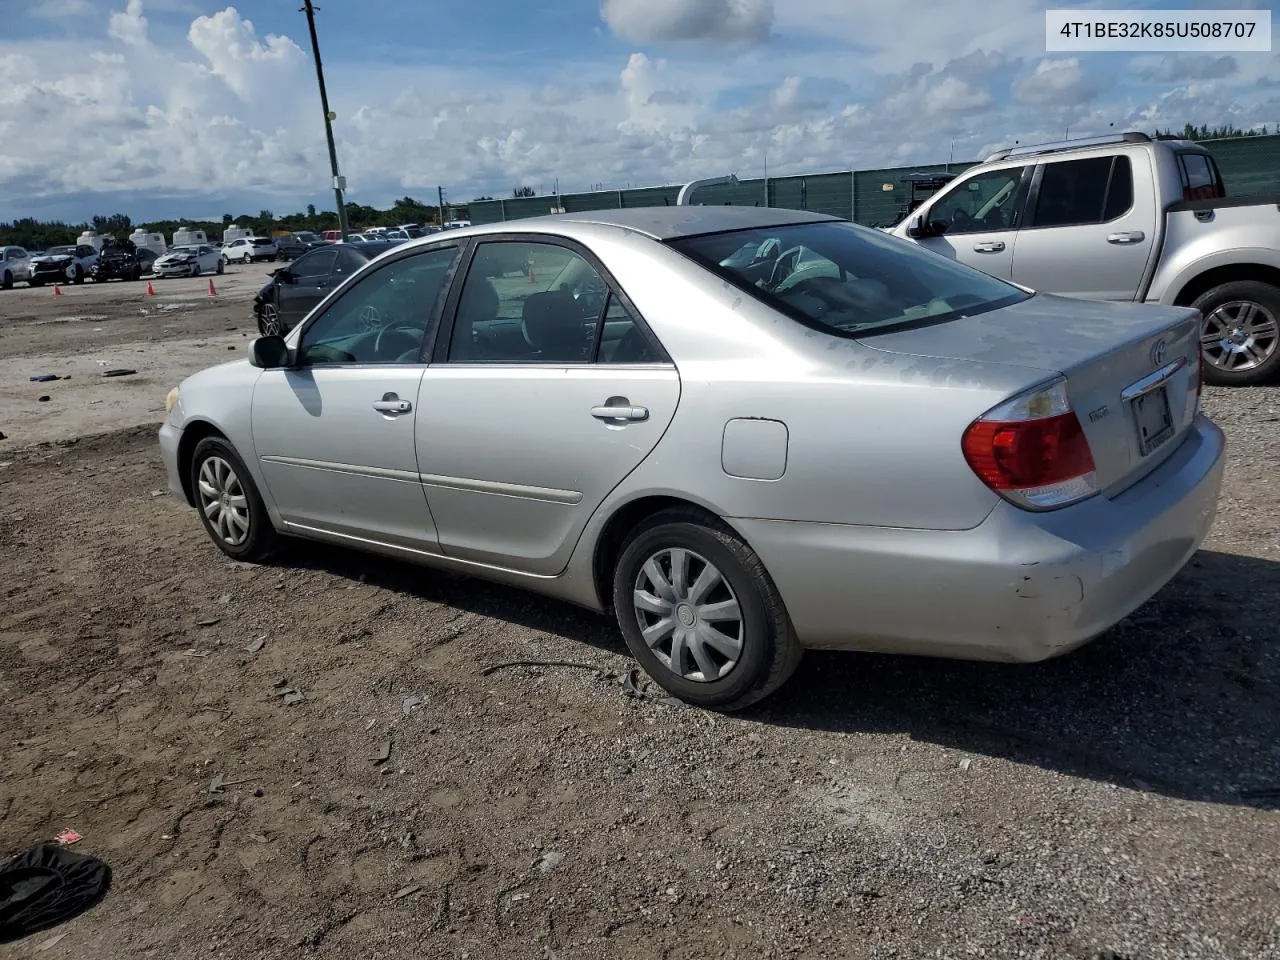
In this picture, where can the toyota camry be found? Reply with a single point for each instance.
(744, 432)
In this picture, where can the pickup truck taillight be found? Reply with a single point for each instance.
(1032, 451)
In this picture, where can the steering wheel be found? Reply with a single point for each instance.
(411, 335)
(960, 219)
(370, 319)
(783, 267)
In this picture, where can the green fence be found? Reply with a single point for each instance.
(1249, 165)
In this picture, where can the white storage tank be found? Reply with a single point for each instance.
(232, 234)
(186, 236)
(149, 241)
(91, 239)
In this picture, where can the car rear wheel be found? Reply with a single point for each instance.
(220, 267)
(1241, 333)
(701, 614)
(78, 276)
(6, 281)
(230, 506)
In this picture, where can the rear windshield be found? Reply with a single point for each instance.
(846, 279)
(261, 242)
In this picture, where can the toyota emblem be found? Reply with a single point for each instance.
(1158, 350)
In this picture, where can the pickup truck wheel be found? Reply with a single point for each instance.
(1241, 333)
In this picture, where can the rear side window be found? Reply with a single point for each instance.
(1200, 179)
(1079, 192)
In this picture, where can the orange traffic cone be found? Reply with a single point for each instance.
(212, 292)
(151, 291)
(57, 290)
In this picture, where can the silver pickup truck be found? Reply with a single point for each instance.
(1122, 217)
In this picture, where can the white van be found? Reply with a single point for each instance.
(91, 239)
(231, 234)
(186, 237)
(149, 241)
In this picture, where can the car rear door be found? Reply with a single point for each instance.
(303, 284)
(976, 220)
(548, 391)
(1090, 229)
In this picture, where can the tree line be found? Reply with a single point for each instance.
(42, 234)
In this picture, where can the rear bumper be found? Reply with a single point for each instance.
(1019, 587)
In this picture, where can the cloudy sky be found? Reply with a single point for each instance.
(193, 108)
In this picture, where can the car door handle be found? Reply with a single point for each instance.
(989, 246)
(391, 404)
(1134, 236)
(620, 412)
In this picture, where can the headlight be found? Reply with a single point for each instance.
(171, 401)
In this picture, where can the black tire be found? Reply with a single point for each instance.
(262, 539)
(78, 277)
(770, 650)
(35, 283)
(220, 267)
(195, 269)
(6, 281)
(1265, 302)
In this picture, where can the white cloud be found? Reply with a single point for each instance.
(221, 116)
(1059, 82)
(653, 21)
(1175, 68)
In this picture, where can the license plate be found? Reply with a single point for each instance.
(1155, 422)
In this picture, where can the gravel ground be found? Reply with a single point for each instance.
(1125, 798)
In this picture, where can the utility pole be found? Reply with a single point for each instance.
(440, 207)
(339, 182)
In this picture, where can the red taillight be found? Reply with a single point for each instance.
(1032, 450)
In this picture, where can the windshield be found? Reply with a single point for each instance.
(192, 251)
(61, 252)
(846, 279)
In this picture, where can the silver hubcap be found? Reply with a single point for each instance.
(223, 501)
(270, 321)
(688, 615)
(1240, 335)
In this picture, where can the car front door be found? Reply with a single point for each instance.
(303, 284)
(1088, 232)
(334, 434)
(547, 393)
(976, 220)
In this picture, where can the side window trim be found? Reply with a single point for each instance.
(462, 266)
(433, 320)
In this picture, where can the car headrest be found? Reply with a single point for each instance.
(553, 324)
(479, 300)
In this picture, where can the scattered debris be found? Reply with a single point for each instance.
(293, 696)
(44, 398)
(157, 493)
(3, 435)
(217, 784)
(631, 689)
(258, 838)
(406, 892)
(965, 764)
(224, 599)
(121, 372)
(45, 378)
(68, 837)
(208, 621)
(256, 644)
(384, 754)
(242, 565)
(50, 943)
(412, 703)
(541, 663)
(193, 652)
(550, 860)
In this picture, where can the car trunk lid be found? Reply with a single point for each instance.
(1132, 369)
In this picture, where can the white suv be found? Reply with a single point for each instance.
(248, 249)
(15, 265)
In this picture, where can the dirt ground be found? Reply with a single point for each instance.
(1125, 798)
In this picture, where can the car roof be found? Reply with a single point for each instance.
(661, 223)
(371, 248)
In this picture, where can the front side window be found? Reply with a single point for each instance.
(850, 280)
(1076, 192)
(982, 203)
(527, 303)
(314, 265)
(382, 318)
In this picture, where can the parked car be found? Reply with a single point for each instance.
(296, 244)
(249, 249)
(71, 262)
(1123, 217)
(188, 261)
(117, 260)
(294, 290)
(147, 260)
(15, 265)
(900, 454)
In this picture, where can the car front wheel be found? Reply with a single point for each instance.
(78, 276)
(6, 281)
(230, 506)
(701, 614)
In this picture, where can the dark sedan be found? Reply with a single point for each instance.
(293, 290)
(296, 244)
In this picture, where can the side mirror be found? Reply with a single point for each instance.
(284, 275)
(269, 353)
(916, 228)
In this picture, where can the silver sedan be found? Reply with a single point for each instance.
(745, 431)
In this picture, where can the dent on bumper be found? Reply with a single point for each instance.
(170, 437)
(1019, 587)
